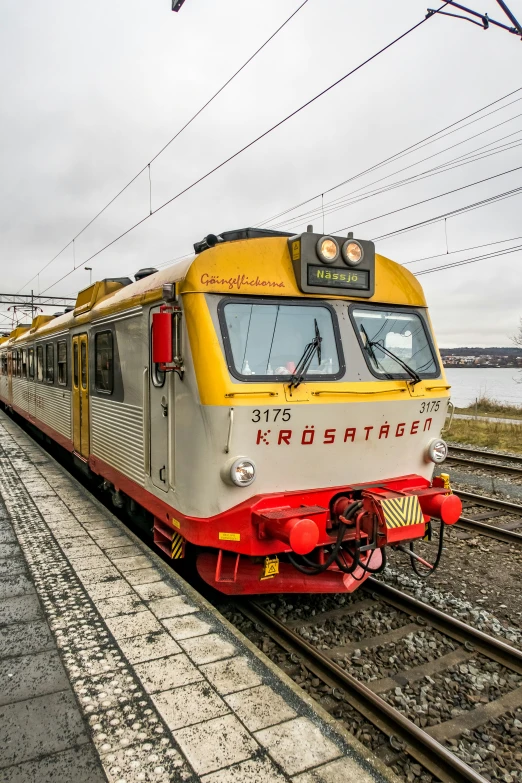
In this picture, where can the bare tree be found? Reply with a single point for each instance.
(517, 339)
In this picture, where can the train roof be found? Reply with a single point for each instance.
(247, 262)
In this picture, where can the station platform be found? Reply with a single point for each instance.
(112, 668)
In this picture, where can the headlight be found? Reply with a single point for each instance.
(352, 253)
(437, 451)
(240, 471)
(327, 250)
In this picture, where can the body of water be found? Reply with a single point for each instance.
(498, 383)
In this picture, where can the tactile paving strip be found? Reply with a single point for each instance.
(128, 732)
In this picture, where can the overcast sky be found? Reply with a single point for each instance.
(92, 91)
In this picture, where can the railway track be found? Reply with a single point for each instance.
(425, 745)
(488, 508)
(475, 458)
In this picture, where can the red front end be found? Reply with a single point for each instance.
(317, 541)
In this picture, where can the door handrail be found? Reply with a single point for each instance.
(146, 421)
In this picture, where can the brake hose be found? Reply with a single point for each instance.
(310, 568)
(437, 559)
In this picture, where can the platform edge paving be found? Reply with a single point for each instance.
(347, 745)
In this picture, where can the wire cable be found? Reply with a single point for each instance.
(426, 200)
(474, 260)
(178, 133)
(462, 250)
(461, 160)
(252, 143)
(452, 213)
(413, 147)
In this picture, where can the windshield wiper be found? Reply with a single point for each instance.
(305, 361)
(371, 344)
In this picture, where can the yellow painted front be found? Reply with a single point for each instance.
(81, 394)
(217, 388)
(263, 267)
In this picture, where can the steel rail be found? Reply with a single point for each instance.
(434, 756)
(493, 454)
(498, 533)
(489, 502)
(490, 646)
(478, 463)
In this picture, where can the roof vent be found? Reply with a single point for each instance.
(148, 270)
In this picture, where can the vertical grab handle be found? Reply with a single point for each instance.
(230, 426)
(146, 421)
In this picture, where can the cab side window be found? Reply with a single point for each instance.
(104, 362)
(49, 363)
(39, 363)
(62, 363)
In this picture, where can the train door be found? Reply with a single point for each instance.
(81, 395)
(161, 411)
(10, 376)
(31, 384)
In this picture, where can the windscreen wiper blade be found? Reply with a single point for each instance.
(305, 361)
(371, 344)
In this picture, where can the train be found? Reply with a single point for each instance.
(273, 405)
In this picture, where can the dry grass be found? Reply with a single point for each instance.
(494, 435)
(485, 406)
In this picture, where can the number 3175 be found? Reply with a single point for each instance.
(271, 414)
(429, 406)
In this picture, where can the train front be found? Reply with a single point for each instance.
(322, 399)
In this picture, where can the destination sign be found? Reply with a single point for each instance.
(334, 277)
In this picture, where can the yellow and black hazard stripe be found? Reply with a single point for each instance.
(399, 512)
(178, 546)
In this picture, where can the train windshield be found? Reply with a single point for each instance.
(395, 344)
(269, 339)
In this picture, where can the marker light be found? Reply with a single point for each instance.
(352, 253)
(437, 451)
(327, 250)
(240, 471)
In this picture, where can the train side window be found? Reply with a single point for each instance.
(31, 362)
(62, 363)
(83, 354)
(104, 362)
(75, 365)
(39, 362)
(24, 363)
(49, 363)
(18, 363)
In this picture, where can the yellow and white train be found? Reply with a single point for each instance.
(275, 403)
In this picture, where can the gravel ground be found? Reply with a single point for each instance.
(339, 631)
(494, 749)
(390, 659)
(445, 696)
(285, 608)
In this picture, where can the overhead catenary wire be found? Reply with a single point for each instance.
(460, 250)
(452, 213)
(350, 199)
(432, 138)
(465, 261)
(251, 143)
(427, 200)
(165, 146)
